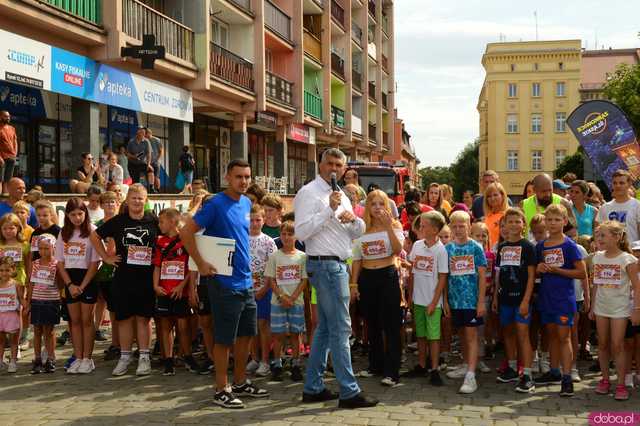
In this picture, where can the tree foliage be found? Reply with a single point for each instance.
(571, 164)
(462, 174)
(623, 88)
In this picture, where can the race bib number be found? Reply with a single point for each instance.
(462, 265)
(424, 265)
(172, 270)
(288, 274)
(510, 256)
(75, 250)
(374, 249)
(607, 275)
(44, 275)
(8, 302)
(553, 257)
(15, 253)
(139, 255)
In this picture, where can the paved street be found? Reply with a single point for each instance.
(99, 399)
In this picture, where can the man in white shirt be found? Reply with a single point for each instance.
(326, 224)
(622, 208)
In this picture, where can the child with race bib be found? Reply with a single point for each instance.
(10, 301)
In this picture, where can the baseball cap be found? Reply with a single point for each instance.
(559, 184)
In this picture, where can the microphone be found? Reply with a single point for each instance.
(334, 182)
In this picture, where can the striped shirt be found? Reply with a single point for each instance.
(43, 280)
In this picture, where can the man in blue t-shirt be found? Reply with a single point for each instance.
(232, 300)
(16, 190)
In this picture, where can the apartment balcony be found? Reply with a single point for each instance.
(385, 63)
(372, 132)
(356, 78)
(231, 67)
(319, 3)
(372, 91)
(385, 100)
(312, 105)
(356, 34)
(337, 117)
(337, 13)
(242, 4)
(278, 89)
(372, 8)
(337, 65)
(356, 124)
(372, 51)
(89, 10)
(277, 21)
(312, 45)
(385, 23)
(139, 19)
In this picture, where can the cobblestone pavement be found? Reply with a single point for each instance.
(98, 398)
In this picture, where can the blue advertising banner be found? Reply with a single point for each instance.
(23, 102)
(607, 137)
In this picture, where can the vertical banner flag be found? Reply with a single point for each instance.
(607, 137)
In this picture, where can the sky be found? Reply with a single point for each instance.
(439, 47)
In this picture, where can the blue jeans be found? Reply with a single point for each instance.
(331, 281)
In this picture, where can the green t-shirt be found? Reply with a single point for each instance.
(272, 231)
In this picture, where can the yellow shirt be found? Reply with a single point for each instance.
(10, 250)
(27, 231)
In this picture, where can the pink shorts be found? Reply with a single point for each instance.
(9, 322)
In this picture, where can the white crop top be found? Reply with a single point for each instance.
(375, 246)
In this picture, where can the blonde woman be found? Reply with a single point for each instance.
(375, 281)
(495, 203)
(447, 197)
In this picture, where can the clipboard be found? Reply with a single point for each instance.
(217, 251)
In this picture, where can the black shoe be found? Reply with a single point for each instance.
(169, 369)
(525, 385)
(227, 400)
(49, 366)
(296, 373)
(358, 401)
(434, 378)
(325, 395)
(206, 367)
(417, 371)
(37, 367)
(276, 374)
(548, 378)
(566, 388)
(112, 353)
(63, 338)
(249, 389)
(509, 375)
(100, 337)
(191, 364)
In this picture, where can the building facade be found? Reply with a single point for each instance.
(598, 65)
(271, 81)
(530, 88)
(403, 150)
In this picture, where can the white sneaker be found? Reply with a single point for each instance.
(545, 366)
(628, 380)
(144, 367)
(121, 367)
(535, 366)
(469, 385)
(85, 366)
(252, 366)
(458, 373)
(13, 366)
(263, 370)
(388, 381)
(74, 368)
(575, 376)
(484, 368)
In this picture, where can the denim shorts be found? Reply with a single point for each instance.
(287, 320)
(234, 312)
(511, 314)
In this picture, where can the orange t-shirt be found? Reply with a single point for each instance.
(7, 138)
(493, 223)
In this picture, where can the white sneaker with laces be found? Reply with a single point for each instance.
(85, 366)
(458, 373)
(484, 368)
(469, 385)
(252, 366)
(388, 381)
(74, 368)
(144, 367)
(93, 365)
(545, 366)
(263, 370)
(121, 367)
(575, 376)
(13, 366)
(535, 366)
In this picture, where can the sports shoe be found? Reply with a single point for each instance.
(169, 369)
(263, 370)
(389, 381)
(603, 387)
(252, 366)
(191, 364)
(458, 373)
(575, 375)
(63, 338)
(13, 366)
(227, 400)
(249, 389)
(111, 353)
(100, 336)
(509, 375)
(367, 373)
(526, 385)
(206, 367)
(545, 366)
(622, 393)
(469, 385)
(325, 395)
(85, 366)
(276, 374)
(358, 401)
(566, 388)
(296, 373)
(74, 367)
(535, 365)
(50, 366)
(434, 378)
(36, 367)
(628, 380)
(484, 368)
(144, 367)
(69, 361)
(548, 378)
(417, 371)
(121, 367)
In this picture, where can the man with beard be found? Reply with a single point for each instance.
(542, 198)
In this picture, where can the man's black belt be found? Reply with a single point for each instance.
(334, 258)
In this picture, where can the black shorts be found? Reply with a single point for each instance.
(632, 331)
(168, 307)
(90, 294)
(133, 295)
(580, 307)
(104, 287)
(465, 318)
(204, 306)
(45, 312)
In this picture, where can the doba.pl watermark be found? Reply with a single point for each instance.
(607, 418)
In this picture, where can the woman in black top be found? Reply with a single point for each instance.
(89, 173)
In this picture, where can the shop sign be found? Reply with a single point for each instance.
(300, 133)
(60, 71)
(267, 119)
(21, 101)
(148, 52)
